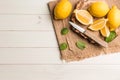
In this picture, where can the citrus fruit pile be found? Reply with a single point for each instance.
(107, 19)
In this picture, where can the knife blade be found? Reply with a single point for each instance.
(90, 35)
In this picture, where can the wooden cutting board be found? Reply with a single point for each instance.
(72, 53)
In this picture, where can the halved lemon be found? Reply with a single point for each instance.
(84, 17)
(105, 31)
(98, 24)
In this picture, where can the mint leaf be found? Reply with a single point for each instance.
(63, 46)
(111, 37)
(64, 31)
(80, 45)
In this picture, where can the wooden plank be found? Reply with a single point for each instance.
(29, 56)
(27, 39)
(51, 56)
(23, 7)
(72, 53)
(60, 72)
(25, 22)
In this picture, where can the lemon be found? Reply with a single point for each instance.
(83, 16)
(98, 9)
(62, 9)
(114, 18)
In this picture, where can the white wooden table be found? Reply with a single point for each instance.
(29, 50)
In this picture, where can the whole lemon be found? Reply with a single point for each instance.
(62, 9)
(114, 18)
(98, 9)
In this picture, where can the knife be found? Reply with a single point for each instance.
(90, 35)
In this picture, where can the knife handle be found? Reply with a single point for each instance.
(97, 40)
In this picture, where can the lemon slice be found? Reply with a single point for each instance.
(83, 17)
(98, 24)
(105, 31)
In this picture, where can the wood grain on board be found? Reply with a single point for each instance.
(72, 53)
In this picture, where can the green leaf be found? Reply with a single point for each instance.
(111, 37)
(80, 45)
(64, 31)
(63, 46)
